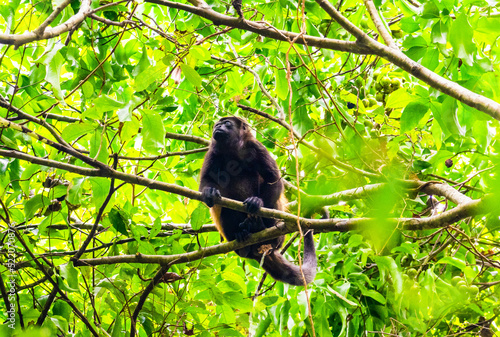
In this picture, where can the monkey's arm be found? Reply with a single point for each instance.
(208, 186)
(271, 189)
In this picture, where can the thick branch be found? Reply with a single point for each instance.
(463, 211)
(44, 33)
(439, 189)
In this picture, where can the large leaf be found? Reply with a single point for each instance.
(153, 132)
(460, 37)
(74, 131)
(412, 114)
(191, 75)
(148, 76)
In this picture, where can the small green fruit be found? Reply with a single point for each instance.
(455, 280)
(473, 291)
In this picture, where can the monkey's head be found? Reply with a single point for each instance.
(231, 131)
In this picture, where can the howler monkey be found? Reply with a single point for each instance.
(239, 167)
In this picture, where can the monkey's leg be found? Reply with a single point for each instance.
(251, 224)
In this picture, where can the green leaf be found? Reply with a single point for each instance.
(99, 147)
(417, 41)
(407, 8)
(446, 116)
(453, 261)
(117, 327)
(26, 177)
(119, 220)
(70, 275)
(92, 113)
(373, 294)
(398, 99)
(198, 217)
(236, 300)
(439, 33)
(125, 113)
(53, 68)
(487, 29)
(153, 132)
(281, 84)
(75, 191)
(431, 59)
(387, 265)
(412, 114)
(143, 62)
(148, 76)
(416, 53)
(100, 190)
(74, 131)
(460, 37)
(263, 326)
(420, 165)
(34, 204)
(87, 89)
(409, 25)
(191, 75)
(234, 82)
(105, 103)
(61, 308)
(430, 10)
(156, 228)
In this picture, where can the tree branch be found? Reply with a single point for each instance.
(374, 14)
(265, 29)
(43, 32)
(460, 212)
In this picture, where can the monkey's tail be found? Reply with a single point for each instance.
(282, 270)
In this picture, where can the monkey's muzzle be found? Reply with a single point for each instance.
(220, 135)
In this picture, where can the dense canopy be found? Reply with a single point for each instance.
(383, 117)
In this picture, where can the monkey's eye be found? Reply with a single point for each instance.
(228, 123)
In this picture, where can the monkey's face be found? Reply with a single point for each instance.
(227, 131)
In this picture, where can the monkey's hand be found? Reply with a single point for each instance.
(209, 195)
(253, 204)
(251, 224)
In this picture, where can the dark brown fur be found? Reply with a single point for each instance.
(239, 167)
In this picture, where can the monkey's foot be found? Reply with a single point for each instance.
(243, 230)
(242, 235)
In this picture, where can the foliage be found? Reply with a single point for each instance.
(130, 85)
